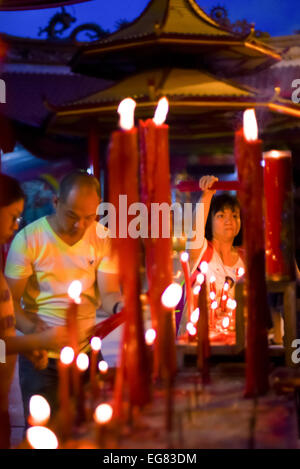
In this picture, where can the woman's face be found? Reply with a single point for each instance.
(10, 219)
(226, 224)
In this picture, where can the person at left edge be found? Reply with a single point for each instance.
(43, 260)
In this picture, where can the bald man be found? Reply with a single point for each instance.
(43, 260)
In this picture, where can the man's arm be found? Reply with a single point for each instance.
(110, 294)
(17, 288)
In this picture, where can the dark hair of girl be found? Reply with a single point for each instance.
(10, 190)
(219, 203)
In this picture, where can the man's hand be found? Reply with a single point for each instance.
(39, 358)
(55, 338)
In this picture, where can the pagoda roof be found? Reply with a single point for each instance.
(188, 92)
(175, 30)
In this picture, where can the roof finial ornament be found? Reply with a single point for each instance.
(151, 89)
(157, 28)
(276, 95)
(252, 33)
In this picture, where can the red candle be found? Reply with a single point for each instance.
(123, 164)
(65, 412)
(188, 287)
(279, 215)
(96, 347)
(82, 364)
(203, 347)
(248, 156)
(155, 188)
(74, 292)
(93, 152)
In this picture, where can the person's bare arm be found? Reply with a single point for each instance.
(50, 339)
(23, 322)
(205, 184)
(109, 289)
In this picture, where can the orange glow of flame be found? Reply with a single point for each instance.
(82, 362)
(250, 125)
(41, 438)
(39, 409)
(103, 413)
(126, 111)
(67, 355)
(74, 290)
(184, 257)
(171, 296)
(200, 278)
(103, 366)
(161, 111)
(150, 336)
(191, 328)
(277, 154)
(96, 344)
(204, 267)
(225, 322)
(195, 316)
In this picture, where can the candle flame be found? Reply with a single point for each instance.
(39, 409)
(103, 413)
(277, 154)
(204, 267)
(161, 111)
(241, 271)
(200, 278)
(67, 355)
(74, 290)
(171, 296)
(214, 305)
(191, 328)
(184, 257)
(82, 362)
(96, 344)
(150, 336)
(195, 316)
(212, 295)
(225, 322)
(103, 366)
(250, 125)
(126, 111)
(41, 438)
(196, 290)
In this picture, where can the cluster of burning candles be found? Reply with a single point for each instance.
(218, 311)
(222, 307)
(71, 367)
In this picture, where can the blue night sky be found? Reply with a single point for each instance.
(278, 17)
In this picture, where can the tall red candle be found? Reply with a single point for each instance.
(123, 164)
(93, 152)
(155, 188)
(65, 407)
(203, 346)
(280, 264)
(248, 156)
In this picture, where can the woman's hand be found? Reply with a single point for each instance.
(206, 182)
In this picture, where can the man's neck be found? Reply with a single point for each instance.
(71, 240)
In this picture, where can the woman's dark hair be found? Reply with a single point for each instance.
(77, 178)
(219, 203)
(10, 190)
